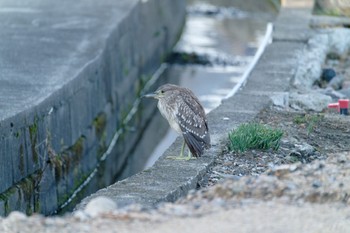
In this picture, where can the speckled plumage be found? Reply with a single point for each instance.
(185, 115)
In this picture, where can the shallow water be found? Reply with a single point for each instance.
(228, 38)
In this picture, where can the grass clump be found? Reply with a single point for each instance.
(254, 136)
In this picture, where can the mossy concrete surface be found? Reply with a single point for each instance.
(71, 72)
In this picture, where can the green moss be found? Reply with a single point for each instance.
(57, 164)
(37, 178)
(33, 129)
(100, 123)
(21, 159)
(19, 200)
(26, 191)
(7, 208)
(74, 153)
(77, 183)
(78, 147)
(5, 198)
(68, 158)
(27, 187)
(156, 34)
(36, 206)
(17, 134)
(102, 147)
(33, 134)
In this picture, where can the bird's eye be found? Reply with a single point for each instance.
(162, 91)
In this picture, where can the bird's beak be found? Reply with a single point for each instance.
(150, 95)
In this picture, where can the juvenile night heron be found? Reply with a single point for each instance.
(185, 115)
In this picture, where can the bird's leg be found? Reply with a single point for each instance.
(182, 149)
(181, 157)
(189, 156)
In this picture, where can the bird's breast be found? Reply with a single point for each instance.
(170, 115)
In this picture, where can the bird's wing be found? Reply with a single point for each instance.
(201, 119)
(192, 121)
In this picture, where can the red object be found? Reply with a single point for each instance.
(342, 106)
(334, 105)
(343, 103)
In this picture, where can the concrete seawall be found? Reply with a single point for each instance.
(71, 73)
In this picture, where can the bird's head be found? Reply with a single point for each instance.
(162, 91)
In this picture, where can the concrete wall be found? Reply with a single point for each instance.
(71, 73)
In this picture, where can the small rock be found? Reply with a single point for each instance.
(280, 99)
(99, 205)
(313, 101)
(15, 216)
(283, 169)
(81, 215)
(305, 149)
(341, 158)
(54, 221)
(316, 184)
(328, 74)
(229, 163)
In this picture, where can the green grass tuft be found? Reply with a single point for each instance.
(254, 136)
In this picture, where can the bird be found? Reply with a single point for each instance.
(185, 114)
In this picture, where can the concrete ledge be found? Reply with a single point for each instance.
(167, 180)
(71, 72)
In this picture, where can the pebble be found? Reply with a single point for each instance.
(81, 215)
(15, 216)
(316, 184)
(99, 205)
